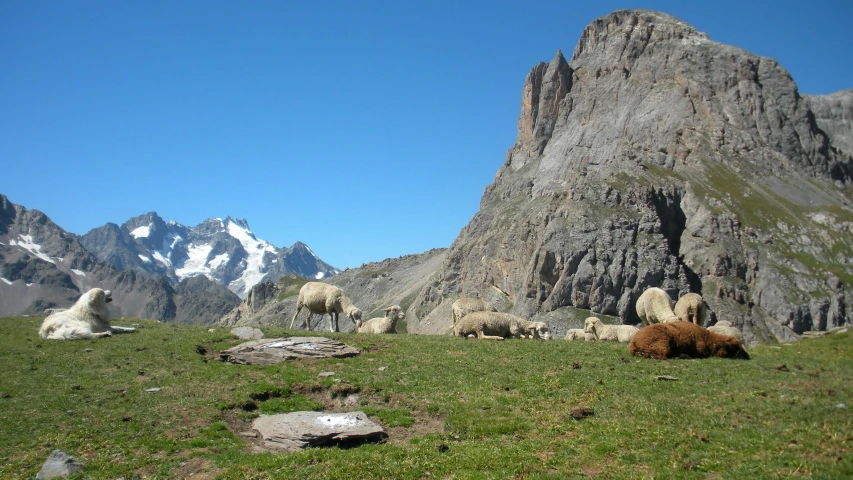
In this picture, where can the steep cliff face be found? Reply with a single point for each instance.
(658, 157)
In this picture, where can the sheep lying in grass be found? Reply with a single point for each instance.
(613, 333)
(724, 327)
(655, 306)
(579, 334)
(671, 340)
(497, 326)
(322, 298)
(386, 324)
(690, 308)
(464, 306)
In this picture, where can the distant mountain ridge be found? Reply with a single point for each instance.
(223, 250)
(43, 266)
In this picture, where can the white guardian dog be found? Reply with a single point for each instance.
(88, 318)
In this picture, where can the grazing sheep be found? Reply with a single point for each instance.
(464, 306)
(670, 340)
(386, 324)
(655, 306)
(724, 327)
(497, 326)
(690, 308)
(613, 333)
(86, 319)
(579, 334)
(322, 298)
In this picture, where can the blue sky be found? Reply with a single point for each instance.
(365, 129)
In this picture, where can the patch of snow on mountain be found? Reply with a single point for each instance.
(160, 258)
(79, 272)
(144, 259)
(169, 242)
(8, 282)
(255, 249)
(319, 275)
(34, 248)
(196, 263)
(141, 232)
(218, 261)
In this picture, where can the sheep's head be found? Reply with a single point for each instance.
(730, 347)
(395, 312)
(540, 330)
(724, 323)
(354, 314)
(589, 324)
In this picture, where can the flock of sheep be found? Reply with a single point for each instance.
(666, 332)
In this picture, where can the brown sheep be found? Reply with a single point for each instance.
(673, 339)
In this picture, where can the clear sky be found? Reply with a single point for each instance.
(365, 129)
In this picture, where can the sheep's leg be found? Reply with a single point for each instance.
(482, 336)
(298, 308)
(122, 329)
(333, 321)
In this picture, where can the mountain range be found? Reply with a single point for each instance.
(157, 270)
(653, 156)
(224, 250)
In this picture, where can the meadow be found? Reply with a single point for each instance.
(159, 403)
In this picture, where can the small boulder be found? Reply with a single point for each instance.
(59, 465)
(248, 333)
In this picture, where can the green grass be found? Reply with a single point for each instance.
(454, 408)
(290, 285)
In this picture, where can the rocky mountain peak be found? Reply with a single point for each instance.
(625, 34)
(544, 88)
(658, 157)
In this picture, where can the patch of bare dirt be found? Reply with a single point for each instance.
(198, 469)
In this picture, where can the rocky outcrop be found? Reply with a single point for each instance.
(834, 115)
(658, 157)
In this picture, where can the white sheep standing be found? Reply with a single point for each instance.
(386, 324)
(464, 306)
(497, 326)
(690, 308)
(655, 306)
(322, 298)
(613, 333)
(579, 334)
(725, 327)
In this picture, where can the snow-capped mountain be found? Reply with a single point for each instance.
(43, 266)
(223, 250)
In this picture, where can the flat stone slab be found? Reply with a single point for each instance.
(270, 351)
(298, 430)
(248, 333)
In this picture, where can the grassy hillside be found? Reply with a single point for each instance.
(454, 408)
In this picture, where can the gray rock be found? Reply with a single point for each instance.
(247, 333)
(276, 350)
(59, 465)
(297, 430)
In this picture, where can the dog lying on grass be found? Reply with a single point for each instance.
(86, 319)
